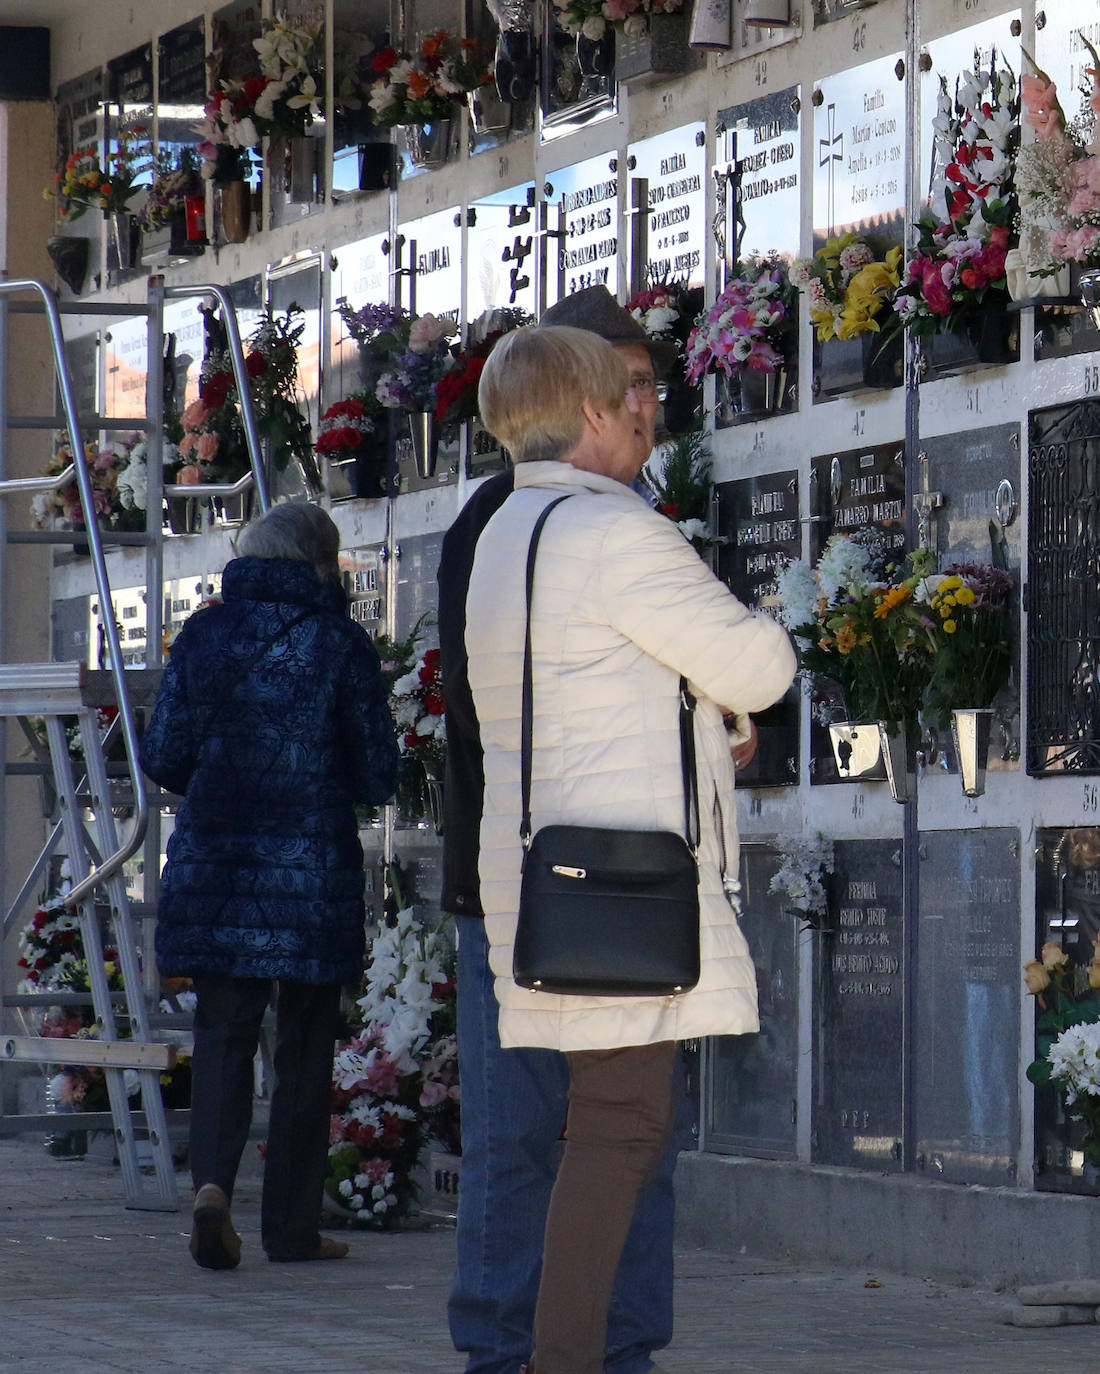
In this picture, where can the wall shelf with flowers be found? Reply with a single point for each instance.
(456, 390)
(863, 640)
(173, 218)
(955, 294)
(85, 184)
(850, 289)
(749, 340)
(667, 311)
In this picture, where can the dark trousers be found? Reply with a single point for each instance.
(621, 1115)
(228, 1016)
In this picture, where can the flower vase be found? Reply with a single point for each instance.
(433, 792)
(596, 57)
(424, 433)
(182, 515)
(680, 410)
(761, 392)
(767, 14)
(970, 731)
(69, 255)
(236, 210)
(301, 170)
(488, 113)
(1088, 282)
(883, 362)
(662, 50)
(994, 334)
(429, 145)
(869, 752)
(121, 235)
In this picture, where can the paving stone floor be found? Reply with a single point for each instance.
(90, 1287)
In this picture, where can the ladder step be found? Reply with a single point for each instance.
(86, 422)
(108, 1054)
(108, 538)
(36, 689)
(142, 686)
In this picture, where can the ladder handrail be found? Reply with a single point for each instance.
(211, 488)
(112, 863)
(29, 486)
(244, 397)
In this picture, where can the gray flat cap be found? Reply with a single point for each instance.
(597, 310)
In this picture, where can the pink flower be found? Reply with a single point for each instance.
(1040, 98)
(935, 289)
(619, 9)
(208, 447)
(195, 416)
(432, 1094)
(189, 476)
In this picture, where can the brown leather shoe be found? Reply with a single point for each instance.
(214, 1243)
(325, 1249)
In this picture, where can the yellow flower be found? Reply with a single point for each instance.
(949, 627)
(950, 584)
(1053, 954)
(891, 598)
(1035, 976)
(846, 639)
(964, 596)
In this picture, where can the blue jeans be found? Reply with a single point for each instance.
(513, 1112)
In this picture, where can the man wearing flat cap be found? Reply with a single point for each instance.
(513, 1101)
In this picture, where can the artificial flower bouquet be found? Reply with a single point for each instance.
(958, 268)
(402, 356)
(395, 1083)
(748, 327)
(858, 625)
(213, 446)
(430, 84)
(86, 185)
(1058, 176)
(667, 310)
(848, 287)
(173, 182)
(593, 18)
(681, 485)
(456, 390)
(801, 878)
(1068, 1035)
(347, 426)
(106, 466)
(416, 700)
(970, 635)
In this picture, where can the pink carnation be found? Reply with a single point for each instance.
(208, 447)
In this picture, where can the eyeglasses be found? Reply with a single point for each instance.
(648, 388)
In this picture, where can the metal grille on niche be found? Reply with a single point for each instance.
(1063, 641)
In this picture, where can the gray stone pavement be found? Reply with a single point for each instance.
(89, 1287)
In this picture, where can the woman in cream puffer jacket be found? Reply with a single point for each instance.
(622, 607)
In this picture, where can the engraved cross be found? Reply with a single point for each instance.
(829, 154)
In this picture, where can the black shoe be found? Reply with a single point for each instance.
(214, 1243)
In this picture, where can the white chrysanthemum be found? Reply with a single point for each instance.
(843, 566)
(800, 275)
(798, 591)
(345, 1187)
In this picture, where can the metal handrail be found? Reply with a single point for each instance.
(248, 415)
(203, 489)
(113, 862)
(29, 486)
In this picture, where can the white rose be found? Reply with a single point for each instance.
(636, 26)
(594, 28)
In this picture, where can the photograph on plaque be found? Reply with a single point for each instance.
(756, 222)
(759, 532)
(501, 273)
(428, 454)
(977, 327)
(859, 1011)
(1067, 914)
(858, 490)
(966, 1022)
(859, 219)
(751, 1079)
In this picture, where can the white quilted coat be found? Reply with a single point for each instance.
(622, 607)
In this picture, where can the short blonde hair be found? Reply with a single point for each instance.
(535, 382)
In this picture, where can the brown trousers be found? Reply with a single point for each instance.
(620, 1117)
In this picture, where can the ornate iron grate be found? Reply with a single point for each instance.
(1063, 640)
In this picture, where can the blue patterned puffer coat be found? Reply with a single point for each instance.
(264, 877)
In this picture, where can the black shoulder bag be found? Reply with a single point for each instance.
(606, 912)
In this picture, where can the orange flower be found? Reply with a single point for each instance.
(433, 44)
(418, 85)
(846, 639)
(894, 597)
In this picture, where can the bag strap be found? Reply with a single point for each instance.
(692, 829)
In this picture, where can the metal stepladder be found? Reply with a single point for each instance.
(85, 794)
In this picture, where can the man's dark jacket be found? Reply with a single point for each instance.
(464, 788)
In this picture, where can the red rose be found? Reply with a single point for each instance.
(433, 702)
(384, 60)
(254, 87)
(412, 739)
(350, 437)
(255, 364)
(970, 278)
(429, 671)
(215, 389)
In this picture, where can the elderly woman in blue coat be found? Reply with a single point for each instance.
(272, 721)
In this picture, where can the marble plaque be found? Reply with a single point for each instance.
(432, 251)
(668, 176)
(758, 208)
(300, 284)
(751, 1088)
(967, 468)
(859, 1010)
(80, 114)
(759, 517)
(130, 84)
(1067, 911)
(360, 275)
(364, 574)
(860, 489)
(500, 255)
(125, 353)
(966, 1021)
(586, 196)
(416, 589)
(181, 86)
(859, 152)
